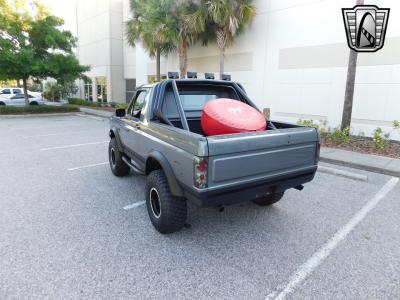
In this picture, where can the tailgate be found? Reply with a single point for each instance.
(237, 158)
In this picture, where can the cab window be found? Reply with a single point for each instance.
(139, 103)
(6, 91)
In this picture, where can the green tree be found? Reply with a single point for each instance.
(227, 18)
(153, 24)
(33, 45)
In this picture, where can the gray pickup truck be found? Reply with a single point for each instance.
(160, 135)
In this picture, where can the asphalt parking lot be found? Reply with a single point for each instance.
(70, 229)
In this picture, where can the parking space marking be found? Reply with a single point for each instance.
(343, 173)
(72, 146)
(88, 166)
(133, 205)
(58, 133)
(318, 257)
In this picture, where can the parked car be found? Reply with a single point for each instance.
(160, 136)
(8, 91)
(19, 100)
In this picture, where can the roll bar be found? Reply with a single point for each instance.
(159, 91)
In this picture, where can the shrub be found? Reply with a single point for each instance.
(310, 123)
(320, 126)
(396, 124)
(380, 139)
(56, 91)
(122, 105)
(36, 109)
(118, 105)
(82, 102)
(339, 136)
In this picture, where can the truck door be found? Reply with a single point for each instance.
(132, 137)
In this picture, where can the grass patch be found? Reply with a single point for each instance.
(37, 109)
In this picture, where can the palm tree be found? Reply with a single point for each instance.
(187, 36)
(153, 24)
(228, 18)
(350, 82)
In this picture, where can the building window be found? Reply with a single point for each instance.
(130, 86)
(101, 86)
(88, 90)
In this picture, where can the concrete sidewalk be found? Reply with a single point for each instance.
(368, 162)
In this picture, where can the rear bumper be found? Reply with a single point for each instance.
(249, 190)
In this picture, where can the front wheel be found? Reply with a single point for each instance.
(117, 165)
(269, 199)
(167, 213)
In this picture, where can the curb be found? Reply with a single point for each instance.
(355, 163)
(39, 115)
(95, 112)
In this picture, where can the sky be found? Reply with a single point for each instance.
(65, 9)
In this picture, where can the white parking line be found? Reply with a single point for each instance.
(88, 166)
(133, 205)
(58, 133)
(318, 257)
(72, 146)
(346, 174)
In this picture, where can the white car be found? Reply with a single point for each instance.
(19, 100)
(8, 91)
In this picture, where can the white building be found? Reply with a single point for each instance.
(293, 59)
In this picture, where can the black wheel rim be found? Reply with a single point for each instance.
(112, 156)
(155, 202)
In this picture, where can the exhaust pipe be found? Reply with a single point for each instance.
(299, 187)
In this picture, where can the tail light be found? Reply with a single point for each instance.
(200, 172)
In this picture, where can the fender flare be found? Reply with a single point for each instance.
(174, 186)
(113, 133)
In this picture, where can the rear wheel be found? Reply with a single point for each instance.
(269, 199)
(117, 165)
(167, 213)
(33, 103)
(2, 103)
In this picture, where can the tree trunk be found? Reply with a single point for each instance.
(25, 85)
(158, 62)
(349, 93)
(221, 42)
(221, 62)
(182, 52)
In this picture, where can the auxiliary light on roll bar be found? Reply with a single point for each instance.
(192, 75)
(173, 75)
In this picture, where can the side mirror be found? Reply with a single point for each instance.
(120, 112)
